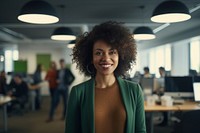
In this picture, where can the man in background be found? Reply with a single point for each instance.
(147, 73)
(18, 89)
(64, 80)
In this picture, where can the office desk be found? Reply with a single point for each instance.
(3, 103)
(189, 106)
(186, 106)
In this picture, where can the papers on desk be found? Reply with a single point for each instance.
(196, 87)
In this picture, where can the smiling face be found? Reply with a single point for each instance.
(105, 58)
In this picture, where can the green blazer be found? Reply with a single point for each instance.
(80, 112)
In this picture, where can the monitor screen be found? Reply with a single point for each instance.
(179, 86)
(159, 83)
(147, 85)
(196, 78)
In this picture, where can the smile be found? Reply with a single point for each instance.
(106, 65)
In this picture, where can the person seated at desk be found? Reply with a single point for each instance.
(160, 92)
(147, 73)
(3, 83)
(18, 89)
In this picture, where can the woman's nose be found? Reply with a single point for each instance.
(105, 57)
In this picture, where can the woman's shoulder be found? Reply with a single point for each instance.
(132, 85)
(82, 85)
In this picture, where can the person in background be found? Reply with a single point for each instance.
(3, 83)
(19, 90)
(162, 72)
(160, 92)
(37, 78)
(147, 73)
(106, 103)
(51, 77)
(64, 80)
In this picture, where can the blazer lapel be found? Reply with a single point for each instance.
(90, 86)
(127, 102)
(90, 104)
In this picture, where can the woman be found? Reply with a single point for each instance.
(37, 79)
(51, 77)
(106, 103)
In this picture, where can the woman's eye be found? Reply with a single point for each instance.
(98, 53)
(113, 52)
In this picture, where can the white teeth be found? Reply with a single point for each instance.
(106, 66)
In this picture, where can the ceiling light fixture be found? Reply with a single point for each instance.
(63, 34)
(71, 44)
(143, 33)
(170, 11)
(38, 12)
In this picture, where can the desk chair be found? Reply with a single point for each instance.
(189, 123)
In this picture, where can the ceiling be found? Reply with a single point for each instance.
(81, 16)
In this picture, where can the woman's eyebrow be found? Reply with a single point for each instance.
(99, 49)
(103, 50)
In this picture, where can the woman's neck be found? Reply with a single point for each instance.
(104, 81)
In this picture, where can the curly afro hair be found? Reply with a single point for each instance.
(113, 33)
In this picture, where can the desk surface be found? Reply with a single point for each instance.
(183, 107)
(5, 99)
(189, 106)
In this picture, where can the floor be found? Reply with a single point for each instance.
(34, 121)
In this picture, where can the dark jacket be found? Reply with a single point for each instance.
(68, 77)
(19, 90)
(80, 114)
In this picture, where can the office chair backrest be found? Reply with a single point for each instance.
(190, 122)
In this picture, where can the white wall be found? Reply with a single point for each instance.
(180, 58)
(28, 52)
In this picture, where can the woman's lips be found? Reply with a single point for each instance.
(106, 65)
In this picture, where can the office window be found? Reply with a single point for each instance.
(10, 56)
(154, 58)
(8, 61)
(167, 57)
(152, 61)
(1, 58)
(160, 56)
(195, 55)
(142, 60)
(15, 55)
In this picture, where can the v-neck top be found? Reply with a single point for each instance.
(110, 114)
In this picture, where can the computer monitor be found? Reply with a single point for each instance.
(179, 87)
(196, 78)
(147, 85)
(159, 84)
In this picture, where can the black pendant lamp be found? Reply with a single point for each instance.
(71, 44)
(143, 33)
(63, 34)
(170, 11)
(38, 12)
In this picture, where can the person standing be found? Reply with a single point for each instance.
(106, 103)
(51, 77)
(37, 78)
(64, 80)
(3, 83)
